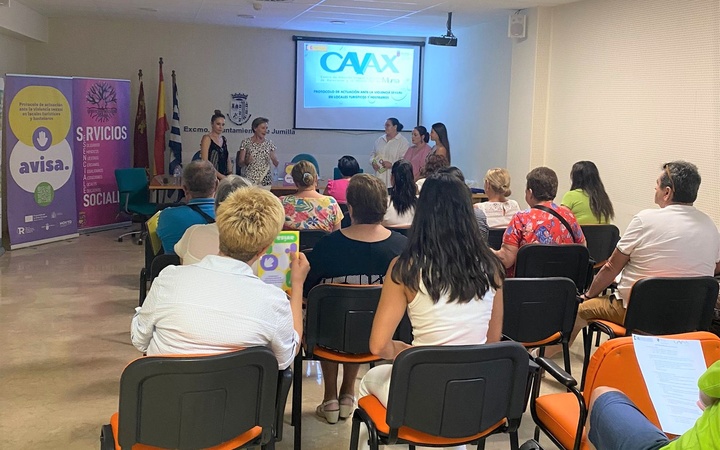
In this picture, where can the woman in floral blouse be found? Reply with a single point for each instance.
(308, 209)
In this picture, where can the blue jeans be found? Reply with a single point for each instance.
(617, 424)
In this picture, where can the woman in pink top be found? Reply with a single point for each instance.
(337, 189)
(419, 150)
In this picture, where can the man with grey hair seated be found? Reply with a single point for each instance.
(677, 240)
(203, 239)
(199, 184)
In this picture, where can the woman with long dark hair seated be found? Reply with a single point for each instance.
(446, 278)
(587, 198)
(403, 196)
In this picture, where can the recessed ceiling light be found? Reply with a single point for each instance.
(246, 16)
(337, 22)
(153, 10)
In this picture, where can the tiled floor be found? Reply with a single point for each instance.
(65, 311)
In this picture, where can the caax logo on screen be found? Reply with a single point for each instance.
(334, 62)
(239, 112)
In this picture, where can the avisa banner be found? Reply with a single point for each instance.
(101, 117)
(39, 160)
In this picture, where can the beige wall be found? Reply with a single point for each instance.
(12, 55)
(214, 62)
(630, 85)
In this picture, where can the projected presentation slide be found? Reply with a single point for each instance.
(355, 85)
(356, 76)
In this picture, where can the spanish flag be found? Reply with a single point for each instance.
(161, 127)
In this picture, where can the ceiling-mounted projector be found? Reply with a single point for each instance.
(448, 39)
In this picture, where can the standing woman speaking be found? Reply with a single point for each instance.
(257, 153)
(389, 147)
(213, 146)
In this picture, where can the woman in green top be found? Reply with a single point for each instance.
(587, 198)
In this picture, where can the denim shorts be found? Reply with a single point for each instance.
(617, 424)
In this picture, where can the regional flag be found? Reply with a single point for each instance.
(140, 142)
(175, 139)
(161, 127)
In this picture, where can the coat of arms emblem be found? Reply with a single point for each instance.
(239, 109)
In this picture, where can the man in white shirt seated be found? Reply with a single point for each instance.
(218, 305)
(677, 240)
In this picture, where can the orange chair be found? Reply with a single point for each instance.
(660, 306)
(562, 416)
(448, 395)
(216, 402)
(337, 328)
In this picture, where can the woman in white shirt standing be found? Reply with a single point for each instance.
(389, 148)
(499, 210)
(403, 196)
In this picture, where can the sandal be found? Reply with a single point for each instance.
(330, 415)
(347, 404)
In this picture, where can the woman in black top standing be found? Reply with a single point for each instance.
(213, 146)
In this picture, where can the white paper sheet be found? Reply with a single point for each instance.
(671, 368)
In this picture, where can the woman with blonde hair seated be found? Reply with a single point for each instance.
(499, 210)
(307, 209)
(202, 240)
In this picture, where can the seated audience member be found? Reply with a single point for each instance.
(617, 424)
(446, 279)
(677, 240)
(202, 240)
(218, 305)
(199, 183)
(308, 209)
(480, 217)
(432, 165)
(587, 198)
(403, 196)
(363, 249)
(539, 224)
(348, 167)
(499, 210)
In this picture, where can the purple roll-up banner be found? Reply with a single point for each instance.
(101, 119)
(40, 196)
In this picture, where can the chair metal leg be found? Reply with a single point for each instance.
(536, 434)
(514, 441)
(481, 444)
(296, 414)
(355, 433)
(566, 356)
(587, 333)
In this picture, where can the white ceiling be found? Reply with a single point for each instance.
(377, 17)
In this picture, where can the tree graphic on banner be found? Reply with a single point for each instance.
(103, 100)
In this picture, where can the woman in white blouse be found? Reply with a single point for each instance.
(403, 196)
(498, 209)
(389, 148)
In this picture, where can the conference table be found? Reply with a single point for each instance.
(161, 184)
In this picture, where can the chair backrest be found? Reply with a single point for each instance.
(671, 305)
(162, 261)
(133, 187)
(347, 220)
(308, 238)
(495, 237)
(339, 317)
(197, 401)
(458, 391)
(614, 364)
(196, 156)
(539, 310)
(542, 261)
(307, 157)
(601, 240)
